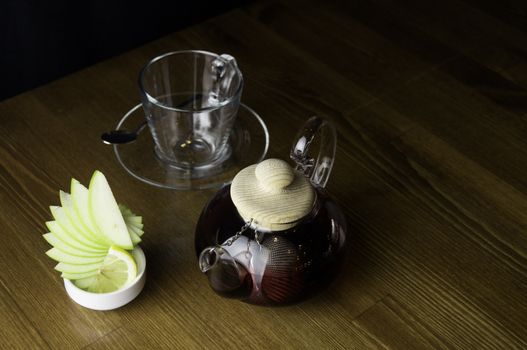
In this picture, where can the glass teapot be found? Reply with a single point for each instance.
(274, 236)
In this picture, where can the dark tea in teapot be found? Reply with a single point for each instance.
(274, 236)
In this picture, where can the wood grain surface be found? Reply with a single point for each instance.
(430, 104)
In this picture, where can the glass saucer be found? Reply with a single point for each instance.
(248, 143)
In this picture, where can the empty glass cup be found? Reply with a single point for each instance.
(190, 99)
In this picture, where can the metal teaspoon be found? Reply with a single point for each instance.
(122, 136)
(116, 137)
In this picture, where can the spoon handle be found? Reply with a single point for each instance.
(116, 137)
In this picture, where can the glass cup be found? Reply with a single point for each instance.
(190, 99)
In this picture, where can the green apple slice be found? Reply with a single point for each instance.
(86, 283)
(125, 210)
(136, 225)
(135, 230)
(59, 256)
(63, 235)
(105, 212)
(133, 222)
(134, 237)
(62, 219)
(80, 197)
(76, 276)
(69, 209)
(64, 247)
(76, 268)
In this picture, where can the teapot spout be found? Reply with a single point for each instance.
(227, 277)
(208, 259)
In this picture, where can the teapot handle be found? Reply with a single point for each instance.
(318, 170)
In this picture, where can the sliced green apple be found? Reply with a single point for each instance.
(85, 283)
(86, 226)
(134, 237)
(133, 222)
(135, 231)
(137, 226)
(80, 198)
(76, 268)
(64, 247)
(63, 235)
(63, 220)
(125, 210)
(105, 212)
(76, 276)
(69, 208)
(60, 256)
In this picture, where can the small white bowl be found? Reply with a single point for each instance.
(113, 300)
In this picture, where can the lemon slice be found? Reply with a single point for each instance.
(117, 271)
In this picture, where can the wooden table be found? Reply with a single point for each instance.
(430, 102)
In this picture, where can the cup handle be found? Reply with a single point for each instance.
(318, 170)
(221, 79)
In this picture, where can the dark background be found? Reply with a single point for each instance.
(44, 40)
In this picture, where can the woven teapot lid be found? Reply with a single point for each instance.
(272, 194)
